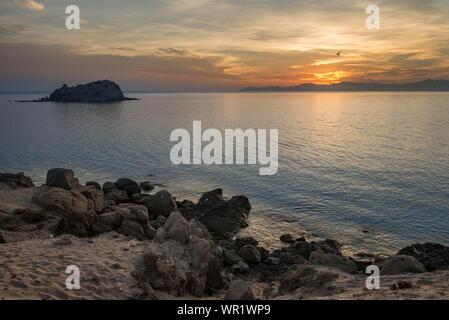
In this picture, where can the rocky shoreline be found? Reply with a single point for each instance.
(163, 248)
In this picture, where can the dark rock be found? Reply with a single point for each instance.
(161, 203)
(97, 91)
(231, 258)
(433, 256)
(13, 181)
(128, 185)
(249, 254)
(109, 186)
(62, 178)
(242, 241)
(264, 253)
(272, 260)
(240, 268)
(241, 201)
(222, 218)
(214, 279)
(287, 238)
(119, 196)
(146, 185)
(93, 184)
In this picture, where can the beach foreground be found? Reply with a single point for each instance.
(128, 244)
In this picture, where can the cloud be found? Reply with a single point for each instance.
(156, 72)
(12, 29)
(30, 5)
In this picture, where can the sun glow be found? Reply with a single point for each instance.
(330, 77)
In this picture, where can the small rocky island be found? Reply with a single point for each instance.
(96, 91)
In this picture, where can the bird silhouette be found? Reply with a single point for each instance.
(338, 53)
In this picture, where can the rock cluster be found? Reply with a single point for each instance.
(190, 248)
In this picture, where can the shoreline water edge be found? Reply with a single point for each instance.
(154, 246)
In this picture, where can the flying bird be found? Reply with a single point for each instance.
(338, 53)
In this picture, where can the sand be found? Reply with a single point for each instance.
(35, 269)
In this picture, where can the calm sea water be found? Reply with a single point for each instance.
(347, 161)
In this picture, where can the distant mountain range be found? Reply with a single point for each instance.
(426, 85)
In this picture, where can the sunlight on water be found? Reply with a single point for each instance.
(368, 169)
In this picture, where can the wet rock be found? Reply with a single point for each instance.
(402, 264)
(249, 253)
(161, 203)
(146, 185)
(287, 238)
(109, 186)
(243, 241)
(433, 256)
(239, 290)
(222, 218)
(128, 185)
(62, 178)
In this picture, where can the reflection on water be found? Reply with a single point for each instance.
(347, 161)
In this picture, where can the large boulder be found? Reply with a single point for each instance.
(402, 264)
(22, 219)
(62, 178)
(72, 205)
(333, 261)
(161, 203)
(183, 261)
(222, 218)
(239, 290)
(433, 256)
(11, 181)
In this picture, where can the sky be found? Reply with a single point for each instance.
(220, 45)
